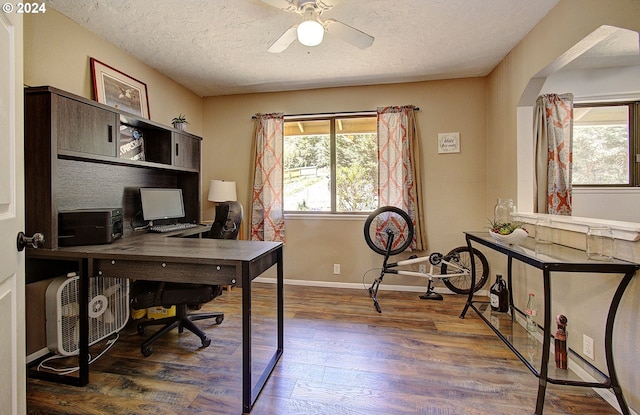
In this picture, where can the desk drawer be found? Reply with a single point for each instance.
(223, 274)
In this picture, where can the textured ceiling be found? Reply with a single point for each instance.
(219, 47)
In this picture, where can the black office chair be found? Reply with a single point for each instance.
(227, 222)
(144, 294)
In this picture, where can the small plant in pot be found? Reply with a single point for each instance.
(180, 122)
(509, 233)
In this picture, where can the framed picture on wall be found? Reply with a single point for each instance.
(118, 90)
(448, 143)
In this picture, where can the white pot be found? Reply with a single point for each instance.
(514, 238)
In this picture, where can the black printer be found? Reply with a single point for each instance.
(89, 226)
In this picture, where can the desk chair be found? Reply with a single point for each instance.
(227, 222)
(144, 294)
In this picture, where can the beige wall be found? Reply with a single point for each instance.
(57, 52)
(460, 189)
(454, 184)
(583, 299)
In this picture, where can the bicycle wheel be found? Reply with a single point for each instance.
(386, 222)
(462, 256)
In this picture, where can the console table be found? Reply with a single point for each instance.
(551, 259)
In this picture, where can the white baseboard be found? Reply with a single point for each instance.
(360, 286)
(37, 354)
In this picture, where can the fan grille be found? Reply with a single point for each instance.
(108, 311)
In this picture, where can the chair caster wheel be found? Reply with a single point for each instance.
(219, 320)
(141, 330)
(206, 342)
(146, 350)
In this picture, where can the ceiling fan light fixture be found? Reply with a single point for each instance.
(310, 33)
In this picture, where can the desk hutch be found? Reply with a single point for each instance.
(72, 160)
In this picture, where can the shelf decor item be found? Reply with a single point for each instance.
(600, 243)
(503, 211)
(180, 122)
(514, 238)
(508, 233)
(118, 90)
(561, 341)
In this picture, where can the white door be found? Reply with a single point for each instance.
(12, 315)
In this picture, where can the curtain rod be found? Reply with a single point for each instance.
(369, 112)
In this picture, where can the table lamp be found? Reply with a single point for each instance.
(223, 194)
(222, 191)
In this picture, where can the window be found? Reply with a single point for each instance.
(605, 144)
(331, 164)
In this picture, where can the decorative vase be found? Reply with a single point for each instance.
(503, 211)
(180, 126)
(514, 238)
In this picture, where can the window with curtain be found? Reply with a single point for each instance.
(339, 164)
(606, 140)
(331, 164)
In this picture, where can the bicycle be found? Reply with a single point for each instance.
(389, 231)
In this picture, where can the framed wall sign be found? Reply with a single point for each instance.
(118, 90)
(449, 143)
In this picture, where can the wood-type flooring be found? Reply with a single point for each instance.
(340, 358)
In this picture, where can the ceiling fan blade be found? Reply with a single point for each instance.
(348, 34)
(280, 4)
(284, 41)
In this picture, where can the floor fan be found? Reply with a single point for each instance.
(108, 311)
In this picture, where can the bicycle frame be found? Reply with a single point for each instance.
(434, 259)
(430, 274)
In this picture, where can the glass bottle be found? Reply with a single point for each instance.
(531, 312)
(544, 229)
(499, 295)
(503, 211)
(532, 348)
(600, 243)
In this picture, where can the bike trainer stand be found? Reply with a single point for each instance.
(430, 294)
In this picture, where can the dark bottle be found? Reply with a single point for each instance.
(499, 295)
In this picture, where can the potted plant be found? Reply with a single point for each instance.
(510, 233)
(180, 122)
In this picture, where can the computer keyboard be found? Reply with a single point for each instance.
(171, 227)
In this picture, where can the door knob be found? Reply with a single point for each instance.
(36, 241)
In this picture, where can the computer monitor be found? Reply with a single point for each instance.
(161, 203)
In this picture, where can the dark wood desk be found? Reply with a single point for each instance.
(551, 259)
(171, 257)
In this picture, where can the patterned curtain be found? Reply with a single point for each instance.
(267, 213)
(553, 132)
(399, 177)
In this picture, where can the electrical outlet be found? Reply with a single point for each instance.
(587, 346)
(422, 268)
(336, 269)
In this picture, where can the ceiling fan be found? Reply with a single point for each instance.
(311, 31)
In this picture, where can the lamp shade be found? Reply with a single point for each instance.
(222, 191)
(310, 33)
